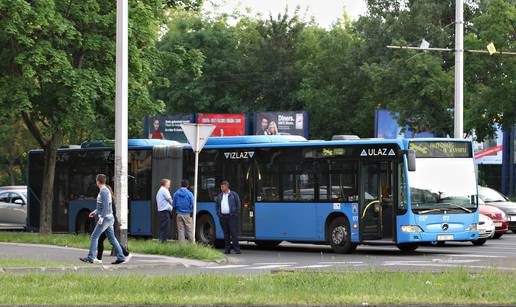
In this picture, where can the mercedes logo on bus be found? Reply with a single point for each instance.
(445, 227)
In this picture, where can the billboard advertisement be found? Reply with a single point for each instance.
(489, 151)
(283, 123)
(166, 127)
(225, 124)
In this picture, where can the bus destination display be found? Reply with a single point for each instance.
(441, 149)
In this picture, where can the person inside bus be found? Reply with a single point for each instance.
(183, 201)
(228, 209)
(164, 203)
(156, 134)
(104, 223)
(100, 247)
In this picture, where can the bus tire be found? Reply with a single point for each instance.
(83, 223)
(339, 236)
(267, 244)
(479, 242)
(407, 247)
(205, 232)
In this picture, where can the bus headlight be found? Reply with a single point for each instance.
(411, 228)
(472, 227)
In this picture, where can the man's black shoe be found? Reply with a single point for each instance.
(87, 260)
(118, 261)
(238, 252)
(227, 252)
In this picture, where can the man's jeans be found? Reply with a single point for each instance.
(106, 226)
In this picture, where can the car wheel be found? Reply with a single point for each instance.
(205, 230)
(497, 235)
(339, 236)
(407, 247)
(479, 242)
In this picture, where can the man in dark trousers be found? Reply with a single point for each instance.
(228, 210)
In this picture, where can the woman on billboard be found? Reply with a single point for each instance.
(273, 128)
(156, 134)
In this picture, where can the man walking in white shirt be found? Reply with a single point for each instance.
(164, 202)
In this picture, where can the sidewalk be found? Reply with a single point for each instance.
(69, 257)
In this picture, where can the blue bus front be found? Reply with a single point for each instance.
(440, 195)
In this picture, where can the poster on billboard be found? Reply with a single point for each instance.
(282, 123)
(166, 127)
(490, 150)
(225, 124)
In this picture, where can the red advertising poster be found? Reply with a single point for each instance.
(225, 124)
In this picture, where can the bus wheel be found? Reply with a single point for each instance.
(340, 236)
(83, 223)
(267, 244)
(479, 242)
(408, 247)
(205, 230)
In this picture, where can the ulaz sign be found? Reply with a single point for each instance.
(377, 152)
(237, 155)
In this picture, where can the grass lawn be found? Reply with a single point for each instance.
(453, 287)
(17, 263)
(192, 251)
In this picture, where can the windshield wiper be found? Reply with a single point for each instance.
(461, 207)
(432, 210)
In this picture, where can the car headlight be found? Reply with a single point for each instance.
(472, 227)
(411, 228)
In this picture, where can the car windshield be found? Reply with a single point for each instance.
(443, 184)
(24, 194)
(490, 196)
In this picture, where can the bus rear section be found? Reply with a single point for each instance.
(442, 198)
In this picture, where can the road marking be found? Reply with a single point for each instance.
(314, 266)
(454, 260)
(341, 262)
(275, 263)
(265, 267)
(476, 256)
(229, 266)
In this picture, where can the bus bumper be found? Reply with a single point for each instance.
(431, 237)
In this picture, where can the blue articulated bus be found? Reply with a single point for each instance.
(342, 193)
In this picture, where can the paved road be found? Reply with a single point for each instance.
(499, 254)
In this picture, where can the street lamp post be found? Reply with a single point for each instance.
(458, 127)
(121, 150)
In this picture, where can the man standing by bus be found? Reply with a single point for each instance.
(164, 202)
(183, 201)
(228, 210)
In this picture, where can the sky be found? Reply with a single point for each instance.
(325, 12)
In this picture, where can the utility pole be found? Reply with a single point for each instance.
(121, 150)
(458, 127)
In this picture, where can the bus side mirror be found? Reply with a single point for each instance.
(411, 160)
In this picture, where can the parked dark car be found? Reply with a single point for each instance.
(496, 199)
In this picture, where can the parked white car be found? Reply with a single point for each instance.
(486, 229)
(13, 207)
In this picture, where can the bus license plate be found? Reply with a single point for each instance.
(498, 224)
(445, 238)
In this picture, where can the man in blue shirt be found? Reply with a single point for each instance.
(183, 201)
(164, 203)
(105, 223)
(228, 210)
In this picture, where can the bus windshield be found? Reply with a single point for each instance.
(443, 185)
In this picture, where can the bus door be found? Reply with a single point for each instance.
(376, 203)
(240, 173)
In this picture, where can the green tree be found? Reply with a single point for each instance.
(16, 141)
(57, 71)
